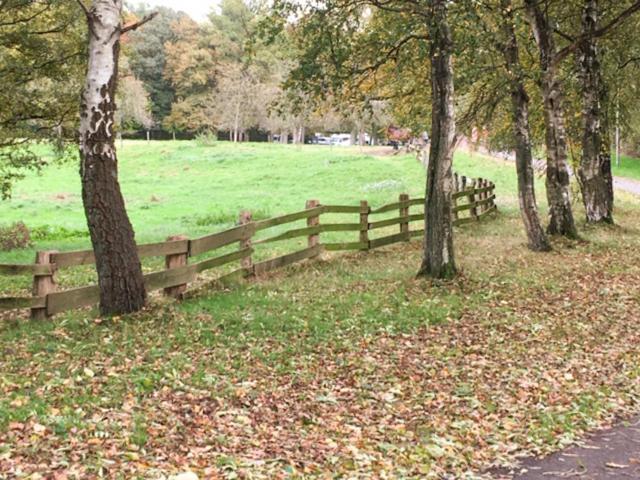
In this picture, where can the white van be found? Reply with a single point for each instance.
(341, 139)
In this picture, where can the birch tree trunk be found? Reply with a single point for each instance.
(120, 278)
(561, 220)
(537, 240)
(236, 123)
(438, 260)
(594, 173)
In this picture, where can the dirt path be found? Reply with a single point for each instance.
(608, 454)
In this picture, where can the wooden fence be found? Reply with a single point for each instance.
(473, 199)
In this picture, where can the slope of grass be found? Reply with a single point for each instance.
(180, 187)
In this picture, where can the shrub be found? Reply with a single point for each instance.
(55, 232)
(220, 217)
(14, 236)
(207, 139)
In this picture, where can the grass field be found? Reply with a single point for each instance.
(182, 188)
(344, 367)
(629, 167)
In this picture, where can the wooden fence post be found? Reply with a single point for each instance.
(364, 224)
(473, 211)
(404, 212)
(43, 284)
(314, 221)
(492, 192)
(176, 260)
(488, 194)
(247, 262)
(460, 185)
(483, 195)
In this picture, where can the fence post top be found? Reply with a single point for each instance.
(245, 216)
(47, 257)
(46, 252)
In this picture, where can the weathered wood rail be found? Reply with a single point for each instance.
(473, 199)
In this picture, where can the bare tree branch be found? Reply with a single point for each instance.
(135, 25)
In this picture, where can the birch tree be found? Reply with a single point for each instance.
(438, 257)
(537, 239)
(594, 172)
(120, 279)
(561, 221)
(353, 50)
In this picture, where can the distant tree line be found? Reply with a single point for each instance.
(220, 76)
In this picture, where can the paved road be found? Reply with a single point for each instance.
(619, 183)
(605, 455)
(626, 184)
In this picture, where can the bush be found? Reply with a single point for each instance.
(207, 139)
(14, 236)
(220, 218)
(54, 232)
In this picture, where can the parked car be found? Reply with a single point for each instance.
(341, 139)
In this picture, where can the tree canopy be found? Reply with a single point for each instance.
(42, 58)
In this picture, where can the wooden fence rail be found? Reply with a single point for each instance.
(472, 200)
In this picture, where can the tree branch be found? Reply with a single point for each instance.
(84, 9)
(564, 35)
(89, 17)
(562, 54)
(628, 62)
(135, 25)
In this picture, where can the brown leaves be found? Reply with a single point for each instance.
(541, 348)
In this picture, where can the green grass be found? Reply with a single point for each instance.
(179, 187)
(523, 350)
(629, 167)
(182, 188)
